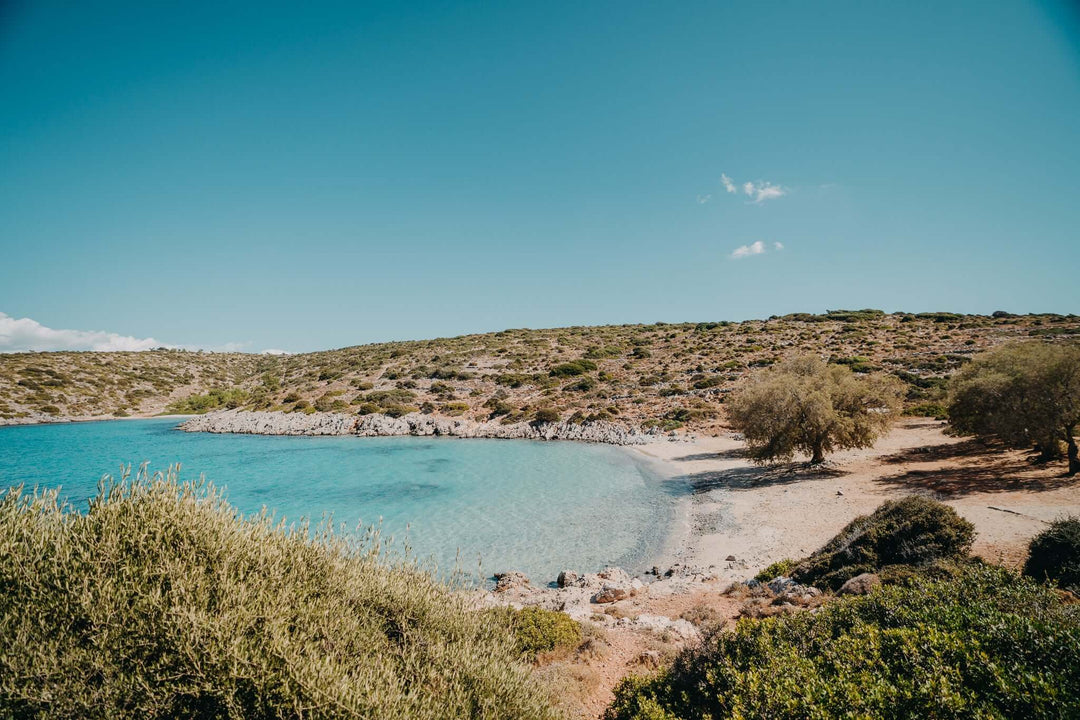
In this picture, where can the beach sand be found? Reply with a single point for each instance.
(759, 515)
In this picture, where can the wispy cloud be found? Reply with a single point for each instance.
(758, 192)
(274, 351)
(762, 190)
(754, 248)
(27, 335)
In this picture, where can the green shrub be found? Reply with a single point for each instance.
(214, 400)
(777, 569)
(986, 644)
(546, 415)
(537, 630)
(570, 369)
(367, 408)
(912, 531)
(161, 601)
(1054, 554)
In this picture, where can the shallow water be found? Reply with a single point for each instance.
(539, 507)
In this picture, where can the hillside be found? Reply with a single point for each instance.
(667, 375)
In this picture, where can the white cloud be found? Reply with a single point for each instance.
(702, 199)
(274, 351)
(762, 190)
(24, 334)
(755, 248)
(778, 245)
(728, 183)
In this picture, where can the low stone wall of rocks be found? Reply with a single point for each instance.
(280, 423)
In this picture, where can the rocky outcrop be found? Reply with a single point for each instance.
(279, 423)
(860, 584)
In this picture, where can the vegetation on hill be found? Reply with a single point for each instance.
(985, 643)
(160, 601)
(804, 405)
(664, 375)
(1022, 394)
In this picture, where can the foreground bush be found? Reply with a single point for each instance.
(913, 531)
(1054, 554)
(161, 601)
(987, 644)
(538, 630)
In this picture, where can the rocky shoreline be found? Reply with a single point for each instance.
(314, 424)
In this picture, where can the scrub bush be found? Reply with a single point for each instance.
(985, 644)
(913, 531)
(161, 601)
(1054, 554)
(537, 630)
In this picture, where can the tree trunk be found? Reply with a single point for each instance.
(819, 456)
(1074, 455)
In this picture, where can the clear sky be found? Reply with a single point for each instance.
(312, 175)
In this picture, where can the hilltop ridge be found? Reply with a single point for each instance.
(663, 376)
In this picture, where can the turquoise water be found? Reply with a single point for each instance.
(538, 507)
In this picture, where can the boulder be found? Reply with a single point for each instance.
(511, 580)
(860, 584)
(568, 578)
(612, 592)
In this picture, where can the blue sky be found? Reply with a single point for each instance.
(304, 176)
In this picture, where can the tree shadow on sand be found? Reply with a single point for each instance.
(970, 448)
(756, 477)
(732, 454)
(983, 472)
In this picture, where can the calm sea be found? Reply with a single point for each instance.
(538, 507)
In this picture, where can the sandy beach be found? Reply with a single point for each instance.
(760, 515)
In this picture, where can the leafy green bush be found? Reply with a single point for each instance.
(777, 569)
(570, 369)
(986, 644)
(546, 415)
(161, 601)
(911, 531)
(1054, 554)
(537, 630)
(216, 399)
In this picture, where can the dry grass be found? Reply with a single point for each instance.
(161, 601)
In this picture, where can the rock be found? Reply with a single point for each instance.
(649, 659)
(612, 592)
(614, 574)
(280, 423)
(511, 580)
(860, 584)
(567, 578)
(730, 558)
(786, 586)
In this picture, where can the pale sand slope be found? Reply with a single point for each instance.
(761, 515)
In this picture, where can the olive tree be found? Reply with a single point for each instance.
(1021, 394)
(805, 405)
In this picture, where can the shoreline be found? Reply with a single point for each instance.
(245, 422)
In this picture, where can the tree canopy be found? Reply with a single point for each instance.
(805, 405)
(1022, 394)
